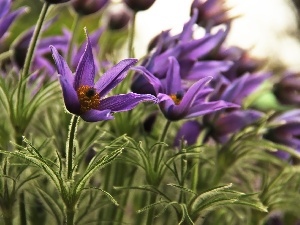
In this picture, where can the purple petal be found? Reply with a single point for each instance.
(235, 121)
(192, 93)
(124, 102)
(62, 67)
(173, 79)
(94, 39)
(209, 107)
(96, 115)
(154, 81)
(4, 7)
(187, 31)
(70, 96)
(113, 76)
(207, 68)
(7, 20)
(189, 132)
(85, 72)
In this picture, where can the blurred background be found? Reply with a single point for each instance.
(269, 29)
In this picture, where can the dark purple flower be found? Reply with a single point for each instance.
(287, 90)
(211, 12)
(85, 98)
(188, 132)
(139, 5)
(6, 17)
(286, 130)
(176, 100)
(119, 19)
(87, 7)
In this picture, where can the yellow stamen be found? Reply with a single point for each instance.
(88, 98)
(176, 98)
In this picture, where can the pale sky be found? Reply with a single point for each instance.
(261, 28)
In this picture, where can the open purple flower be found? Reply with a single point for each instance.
(85, 98)
(176, 100)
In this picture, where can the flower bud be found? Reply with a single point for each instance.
(118, 20)
(139, 5)
(87, 7)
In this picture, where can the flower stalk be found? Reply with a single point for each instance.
(131, 36)
(75, 26)
(70, 148)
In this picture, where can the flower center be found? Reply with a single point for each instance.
(177, 97)
(88, 98)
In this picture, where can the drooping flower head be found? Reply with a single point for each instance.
(87, 7)
(179, 101)
(139, 5)
(86, 98)
(6, 17)
(211, 12)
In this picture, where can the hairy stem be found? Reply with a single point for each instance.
(70, 148)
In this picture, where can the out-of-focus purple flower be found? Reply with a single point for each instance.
(188, 132)
(139, 5)
(191, 54)
(286, 130)
(178, 101)
(61, 42)
(85, 98)
(118, 19)
(211, 12)
(87, 7)
(229, 123)
(287, 90)
(6, 17)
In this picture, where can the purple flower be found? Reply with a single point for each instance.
(138, 5)
(176, 100)
(85, 98)
(188, 132)
(87, 7)
(211, 12)
(287, 90)
(6, 17)
(191, 54)
(229, 123)
(286, 130)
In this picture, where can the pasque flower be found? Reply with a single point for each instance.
(286, 130)
(87, 7)
(87, 99)
(176, 100)
(6, 17)
(287, 90)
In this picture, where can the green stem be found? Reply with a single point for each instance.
(30, 53)
(131, 36)
(73, 37)
(196, 161)
(70, 149)
(151, 211)
(34, 39)
(70, 214)
(159, 152)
